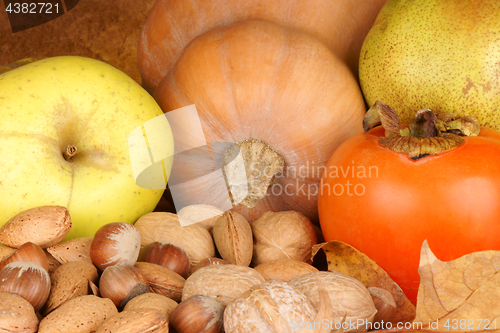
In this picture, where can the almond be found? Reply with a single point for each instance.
(5, 251)
(94, 289)
(233, 238)
(53, 263)
(17, 314)
(83, 314)
(162, 280)
(45, 226)
(77, 249)
(68, 281)
(135, 321)
(152, 301)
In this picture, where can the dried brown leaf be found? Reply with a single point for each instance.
(463, 291)
(344, 258)
(381, 113)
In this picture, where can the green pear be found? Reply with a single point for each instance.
(442, 55)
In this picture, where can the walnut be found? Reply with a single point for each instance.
(273, 306)
(349, 298)
(222, 282)
(282, 235)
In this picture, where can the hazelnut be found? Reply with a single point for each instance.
(122, 283)
(115, 243)
(168, 255)
(198, 313)
(28, 280)
(28, 252)
(162, 226)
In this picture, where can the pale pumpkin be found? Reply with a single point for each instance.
(341, 24)
(282, 95)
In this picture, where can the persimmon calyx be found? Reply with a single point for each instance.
(428, 134)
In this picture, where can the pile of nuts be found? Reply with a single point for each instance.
(223, 274)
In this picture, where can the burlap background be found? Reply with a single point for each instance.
(102, 29)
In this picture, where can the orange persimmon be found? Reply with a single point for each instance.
(386, 204)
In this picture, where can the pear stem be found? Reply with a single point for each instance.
(69, 152)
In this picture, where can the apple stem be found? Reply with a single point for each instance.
(69, 152)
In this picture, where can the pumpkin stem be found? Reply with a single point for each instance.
(250, 167)
(428, 134)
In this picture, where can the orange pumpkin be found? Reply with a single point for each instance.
(341, 24)
(282, 91)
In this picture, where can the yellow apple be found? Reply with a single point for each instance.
(60, 102)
